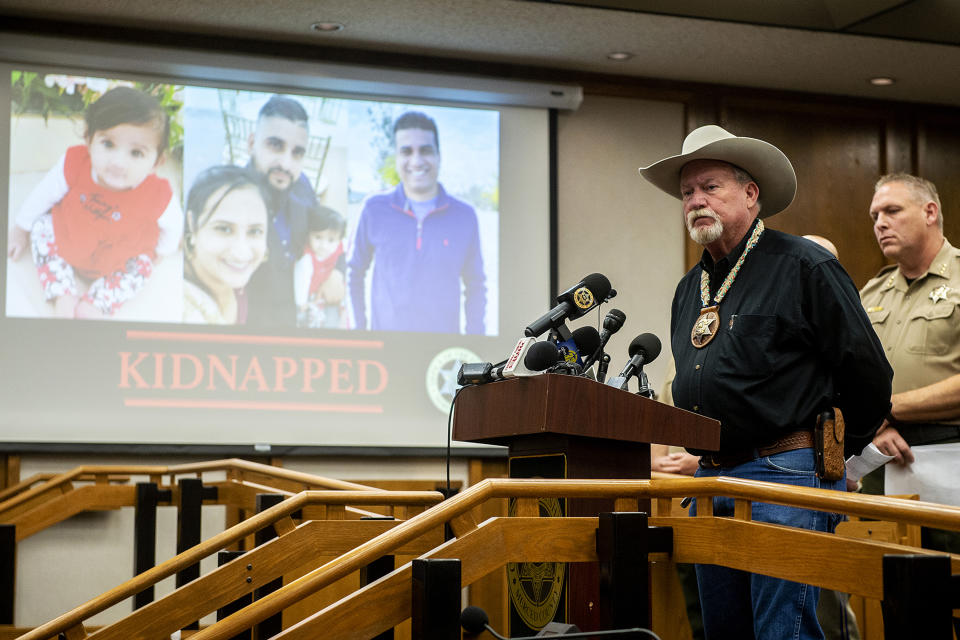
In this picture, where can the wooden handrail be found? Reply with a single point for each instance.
(289, 553)
(495, 542)
(726, 541)
(248, 527)
(880, 507)
(85, 498)
(494, 488)
(24, 485)
(77, 473)
(86, 472)
(821, 499)
(280, 473)
(256, 489)
(34, 508)
(926, 514)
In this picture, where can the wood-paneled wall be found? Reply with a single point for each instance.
(938, 159)
(839, 148)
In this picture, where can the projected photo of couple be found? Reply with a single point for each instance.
(181, 204)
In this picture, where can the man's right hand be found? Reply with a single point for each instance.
(677, 462)
(19, 240)
(891, 443)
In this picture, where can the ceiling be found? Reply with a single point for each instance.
(921, 20)
(818, 46)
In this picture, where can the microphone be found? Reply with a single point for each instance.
(644, 349)
(527, 358)
(587, 340)
(475, 620)
(584, 340)
(612, 323)
(538, 358)
(572, 303)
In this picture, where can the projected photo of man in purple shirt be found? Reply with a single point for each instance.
(423, 244)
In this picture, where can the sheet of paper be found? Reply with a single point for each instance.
(934, 475)
(868, 460)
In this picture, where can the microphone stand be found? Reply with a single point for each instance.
(560, 334)
(645, 389)
(602, 367)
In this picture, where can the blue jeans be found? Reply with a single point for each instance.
(740, 605)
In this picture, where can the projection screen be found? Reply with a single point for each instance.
(222, 249)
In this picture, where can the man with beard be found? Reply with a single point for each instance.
(277, 149)
(767, 334)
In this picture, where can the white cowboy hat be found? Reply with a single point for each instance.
(768, 166)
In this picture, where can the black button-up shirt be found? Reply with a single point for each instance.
(792, 341)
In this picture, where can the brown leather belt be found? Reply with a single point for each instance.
(796, 440)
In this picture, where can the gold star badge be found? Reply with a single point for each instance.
(940, 293)
(705, 329)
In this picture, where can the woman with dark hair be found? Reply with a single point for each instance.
(225, 242)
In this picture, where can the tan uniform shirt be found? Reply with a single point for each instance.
(918, 324)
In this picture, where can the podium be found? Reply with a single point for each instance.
(565, 426)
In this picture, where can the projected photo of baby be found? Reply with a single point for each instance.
(423, 254)
(95, 223)
(292, 273)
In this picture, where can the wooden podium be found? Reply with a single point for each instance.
(573, 427)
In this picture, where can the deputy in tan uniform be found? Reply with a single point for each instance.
(914, 306)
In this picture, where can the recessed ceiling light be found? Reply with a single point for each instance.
(326, 27)
(882, 81)
(619, 55)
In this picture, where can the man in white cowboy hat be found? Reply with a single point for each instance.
(767, 335)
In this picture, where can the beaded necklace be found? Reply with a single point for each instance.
(708, 323)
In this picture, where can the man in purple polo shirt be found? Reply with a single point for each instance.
(423, 243)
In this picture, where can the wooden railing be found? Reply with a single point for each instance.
(252, 471)
(41, 501)
(736, 542)
(24, 485)
(298, 550)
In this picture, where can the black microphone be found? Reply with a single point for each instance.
(541, 356)
(587, 339)
(475, 620)
(528, 358)
(583, 341)
(612, 323)
(643, 349)
(573, 303)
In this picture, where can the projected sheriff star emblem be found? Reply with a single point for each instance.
(441, 381)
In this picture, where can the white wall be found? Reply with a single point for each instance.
(614, 222)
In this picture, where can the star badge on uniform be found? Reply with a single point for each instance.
(940, 293)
